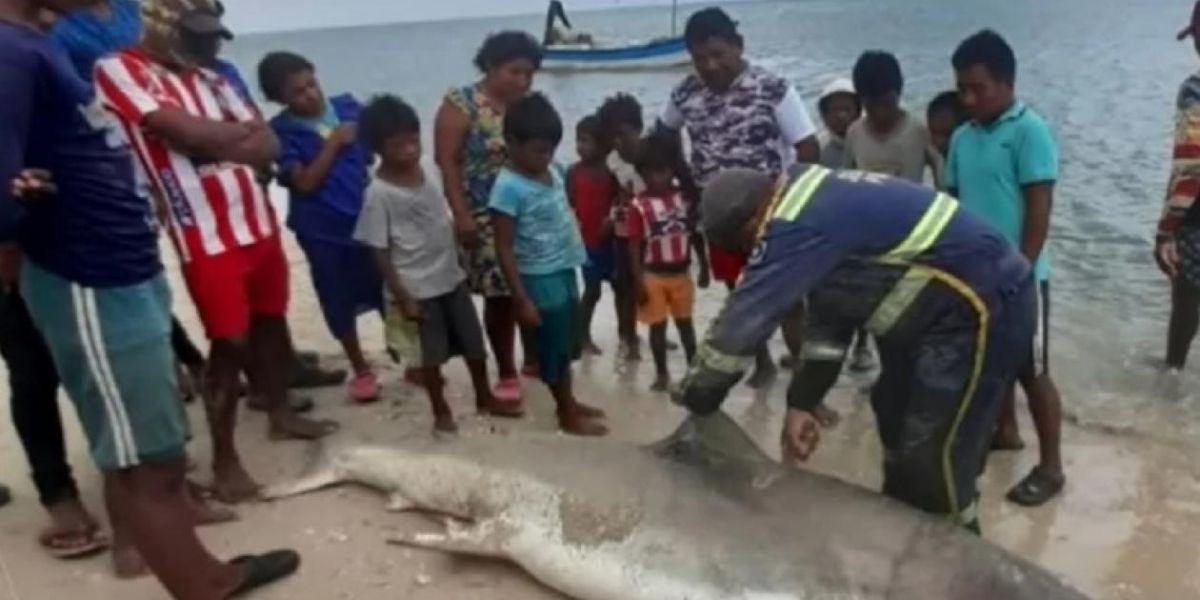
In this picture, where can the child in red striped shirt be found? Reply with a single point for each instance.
(660, 234)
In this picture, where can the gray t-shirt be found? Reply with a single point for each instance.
(833, 151)
(414, 225)
(904, 153)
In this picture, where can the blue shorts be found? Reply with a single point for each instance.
(112, 348)
(556, 297)
(346, 281)
(599, 265)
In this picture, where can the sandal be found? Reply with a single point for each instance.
(5, 495)
(1036, 489)
(69, 544)
(264, 569)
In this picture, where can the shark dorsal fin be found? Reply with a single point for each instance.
(714, 438)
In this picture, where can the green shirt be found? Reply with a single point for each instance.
(990, 163)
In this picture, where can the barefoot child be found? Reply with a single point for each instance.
(539, 247)
(621, 121)
(592, 190)
(430, 316)
(660, 257)
(324, 167)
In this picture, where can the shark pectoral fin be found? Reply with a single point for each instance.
(319, 479)
(475, 539)
(397, 503)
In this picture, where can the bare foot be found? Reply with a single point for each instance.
(591, 349)
(293, 427)
(575, 423)
(827, 417)
(127, 562)
(588, 411)
(444, 424)
(495, 408)
(763, 377)
(661, 383)
(1007, 441)
(233, 485)
(205, 512)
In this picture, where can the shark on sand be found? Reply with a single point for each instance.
(701, 515)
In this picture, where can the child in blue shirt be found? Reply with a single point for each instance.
(325, 168)
(539, 249)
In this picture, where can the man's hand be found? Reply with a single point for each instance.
(467, 231)
(31, 185)
(345, 134)
(527, 313)
(410, 309)
(801, 435)
(1166, 254)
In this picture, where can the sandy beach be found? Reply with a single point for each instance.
(1128, 526)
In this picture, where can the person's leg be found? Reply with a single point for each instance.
(1185, 321)
(269, 349)
(231, 482)
(465, 337)
(33, 385)
(658, 348)
(186, 351)
(443, 417)
(1008, 429)
(337, 271)
(862, 360)
(557, 302)
(1047, 479)
(687, 336)
(765, 371)
(501, 330)
(625, 301)
(591, 297)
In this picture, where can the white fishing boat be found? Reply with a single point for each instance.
(570, 51)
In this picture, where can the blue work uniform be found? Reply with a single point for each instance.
(950, 302)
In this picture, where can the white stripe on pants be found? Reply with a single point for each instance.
(87, 321)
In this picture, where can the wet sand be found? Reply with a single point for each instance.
(1128, 526)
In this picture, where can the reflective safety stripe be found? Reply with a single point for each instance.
(800, 192)
(825, 351)
(714, 359)
(922, 237)
(897, 301)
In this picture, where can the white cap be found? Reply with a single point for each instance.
(841, 85)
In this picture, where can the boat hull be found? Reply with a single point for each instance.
(655, 55)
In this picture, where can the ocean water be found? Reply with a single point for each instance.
(1103, 72)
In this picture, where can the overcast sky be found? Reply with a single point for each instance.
(249, 16)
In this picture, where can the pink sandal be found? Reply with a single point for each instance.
(508, 390)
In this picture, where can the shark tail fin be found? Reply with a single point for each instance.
(322, 472)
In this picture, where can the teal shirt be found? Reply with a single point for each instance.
(547, 237)
(989, 164)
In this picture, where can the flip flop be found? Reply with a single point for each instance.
(307, 376)
(75, 543)
(264, 569)
(1036, 489)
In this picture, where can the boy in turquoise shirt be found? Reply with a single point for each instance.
(1003, 165)
(539, 249)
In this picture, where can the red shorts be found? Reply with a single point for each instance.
(726, 266)
(229, 288)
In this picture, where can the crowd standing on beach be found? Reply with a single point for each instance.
(121, 122)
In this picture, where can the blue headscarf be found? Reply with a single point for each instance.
(87, 38)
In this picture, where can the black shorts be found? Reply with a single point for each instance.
(450, 327)
(1187, 240)
(1039, 359)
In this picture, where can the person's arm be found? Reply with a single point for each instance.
(16, 113)
(933, 160)
(505, 227)
(1039, 200)
(408, 305)
(950, 173)
(797, 127)
(793, 258)
(671, 118)
(636, 230)
(1037, 170)
(1184, 182)
(306, 179)
(122, 89)
(449, 133)
(704, 270)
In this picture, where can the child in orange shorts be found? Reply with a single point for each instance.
(660, 254)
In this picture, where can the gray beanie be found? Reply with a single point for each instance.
(730, 200)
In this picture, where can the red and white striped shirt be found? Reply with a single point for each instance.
(662, 225)
(215, 206)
